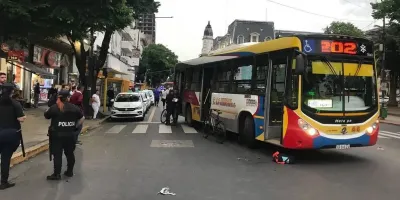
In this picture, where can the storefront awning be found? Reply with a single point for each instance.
(37, 70)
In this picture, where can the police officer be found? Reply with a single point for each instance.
(170, 107)
(65, 117)
(10, 130)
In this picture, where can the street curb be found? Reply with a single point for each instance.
(33, 151)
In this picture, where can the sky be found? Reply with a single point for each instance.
(183, 33)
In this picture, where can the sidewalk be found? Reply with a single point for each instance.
(34, 131)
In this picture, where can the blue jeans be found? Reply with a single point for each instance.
(78, 132)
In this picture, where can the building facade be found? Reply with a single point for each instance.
(244, 31)
(147, 24)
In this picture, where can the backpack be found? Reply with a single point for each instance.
(282, 158)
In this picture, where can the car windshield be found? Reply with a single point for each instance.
(338, 86)
(127, 98)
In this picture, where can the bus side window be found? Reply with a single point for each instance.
(242, 75)
(261, 74)
(223, 78)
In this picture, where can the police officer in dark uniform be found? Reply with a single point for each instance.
(65, 117)
(10, 130)
(170, 106)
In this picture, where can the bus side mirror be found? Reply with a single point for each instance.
(300, 64)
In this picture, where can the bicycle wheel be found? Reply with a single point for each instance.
(220, 132)
(163, 116)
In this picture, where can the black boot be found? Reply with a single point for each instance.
(69, 173)
(6, 185)
(54, 177)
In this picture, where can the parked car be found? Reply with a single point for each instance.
(128, 105)
(146, 99)
(150, 94)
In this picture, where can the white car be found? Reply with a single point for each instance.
(150, 94)
(128, 105)
(146, 99)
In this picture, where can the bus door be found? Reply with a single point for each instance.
(276, 92)
(208, 75)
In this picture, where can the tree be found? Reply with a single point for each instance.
(343, 28)
(156, 64)
(24, 20)
(79, 19)
(389, 9)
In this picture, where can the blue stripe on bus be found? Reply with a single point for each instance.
(257, 121)
(321, 141)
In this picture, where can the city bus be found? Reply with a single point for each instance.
(299, 92)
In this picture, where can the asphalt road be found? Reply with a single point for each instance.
(128, 160)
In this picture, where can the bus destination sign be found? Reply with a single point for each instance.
(346, 47)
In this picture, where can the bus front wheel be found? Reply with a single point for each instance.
(188, 115)
(248, 132)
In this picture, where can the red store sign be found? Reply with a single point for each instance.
(46, 57)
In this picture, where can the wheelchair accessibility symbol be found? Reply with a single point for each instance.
(308, 46)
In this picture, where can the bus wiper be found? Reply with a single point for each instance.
(328, 63)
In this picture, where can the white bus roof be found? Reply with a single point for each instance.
(206, 59)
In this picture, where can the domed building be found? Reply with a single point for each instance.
(207, 40)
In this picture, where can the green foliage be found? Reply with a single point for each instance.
(343, 28)
(158, 61)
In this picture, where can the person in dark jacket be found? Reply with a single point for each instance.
(10, 127)
(65, 117)
(170, 107)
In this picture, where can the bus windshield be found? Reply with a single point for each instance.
(338, 86)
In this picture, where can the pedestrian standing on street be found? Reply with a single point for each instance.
(36, 94)
(164, 94)
(170, 107)
(95, 103)
(10, 127)
(156, 97)
(77, 100)
(65, 117)
(3, 79)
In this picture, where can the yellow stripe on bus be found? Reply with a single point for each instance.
(350, 69)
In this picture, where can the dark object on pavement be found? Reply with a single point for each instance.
(282, 158)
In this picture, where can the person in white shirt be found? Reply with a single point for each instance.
(164, 97)
(95, 103)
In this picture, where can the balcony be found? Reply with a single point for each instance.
(127, 34)
(127, 46)
(130, 60)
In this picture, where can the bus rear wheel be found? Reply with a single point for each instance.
(188, 116)
(248, 133)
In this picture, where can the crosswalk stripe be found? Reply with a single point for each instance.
(162, 128)
(141, 128)
(383, 137)
(188, 129)
(116, 129)
(389, 134)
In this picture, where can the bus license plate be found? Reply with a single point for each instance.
(343, 146)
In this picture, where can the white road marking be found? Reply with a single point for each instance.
(162, 128)
(116, 129)
(188, 129)
(172, 143)
(389, 134)
(151, 115)
(140, 128)
(383, 137)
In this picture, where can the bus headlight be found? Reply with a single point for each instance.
(307, 128)
(372, 128)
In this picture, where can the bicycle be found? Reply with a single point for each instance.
(212, 125)
(164, 117)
